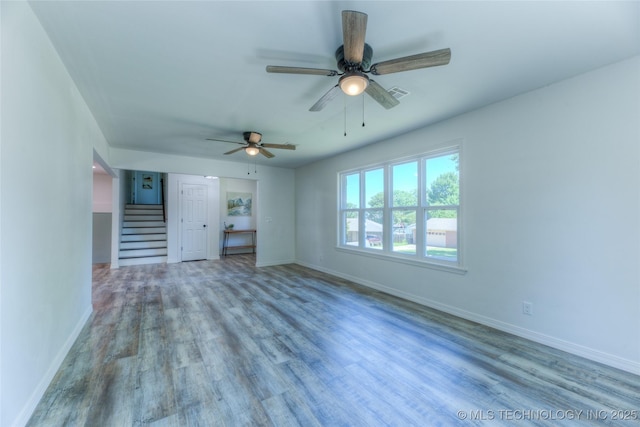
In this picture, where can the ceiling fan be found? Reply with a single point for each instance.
(354, 60)
(253, 145)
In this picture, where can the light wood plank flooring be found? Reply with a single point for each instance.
(224, 343)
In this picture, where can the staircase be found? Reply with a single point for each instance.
(143, 237)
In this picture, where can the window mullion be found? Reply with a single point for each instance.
(421, 211)
(361, 213)
(386, 208)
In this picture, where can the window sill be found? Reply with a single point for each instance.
(448, 267)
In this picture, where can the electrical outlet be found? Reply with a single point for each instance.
(527, 308)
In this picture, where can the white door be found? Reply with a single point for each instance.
(194, 222)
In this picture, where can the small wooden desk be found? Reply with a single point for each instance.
(225, 241)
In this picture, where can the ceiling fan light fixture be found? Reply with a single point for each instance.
(252, 150)
(353, 83)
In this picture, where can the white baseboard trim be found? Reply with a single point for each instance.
(272, 263)
(557, 343)
(37, 394)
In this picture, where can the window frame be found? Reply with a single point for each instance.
(386, 251)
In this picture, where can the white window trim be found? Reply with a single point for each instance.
(392, 256)
(418, 259)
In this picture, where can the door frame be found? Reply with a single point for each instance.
(174, 209)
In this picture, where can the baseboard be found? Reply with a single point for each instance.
(272, 263)
(570, 347)
(37, 394)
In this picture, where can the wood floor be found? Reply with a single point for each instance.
(224, 343)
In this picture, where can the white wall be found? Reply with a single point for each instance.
(102, 193)
(101, 220)
(551, 216)
(48, 136)
(275, 202)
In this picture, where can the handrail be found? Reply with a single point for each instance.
(164, 215)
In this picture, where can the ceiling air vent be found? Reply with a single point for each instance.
(398, 93)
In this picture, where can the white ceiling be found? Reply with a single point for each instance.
(163, 76)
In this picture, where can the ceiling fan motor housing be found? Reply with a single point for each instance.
(252, 137)
(364, 65)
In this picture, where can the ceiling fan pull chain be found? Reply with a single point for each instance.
(363, 110)
(345, 115)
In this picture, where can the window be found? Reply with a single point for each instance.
(351, 208)
(408, 209)
(442, 203)
(374, 204)
(404, 205)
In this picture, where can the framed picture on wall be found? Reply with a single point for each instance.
(147, 181)
(238, 204)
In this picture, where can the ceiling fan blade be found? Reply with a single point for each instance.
(413, 62)
(236, 150)
(354, 28)
(326, 98)
(383, 97)
(266, 153)
(300, 70)
(280, 146)
(225, 140)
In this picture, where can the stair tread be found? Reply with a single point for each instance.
(139, 261)
(149, 240)
(142, 253)
(144, 244)
(143, 230)
(143, 218)
(142, 237)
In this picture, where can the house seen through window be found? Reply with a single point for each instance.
(408, 208)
